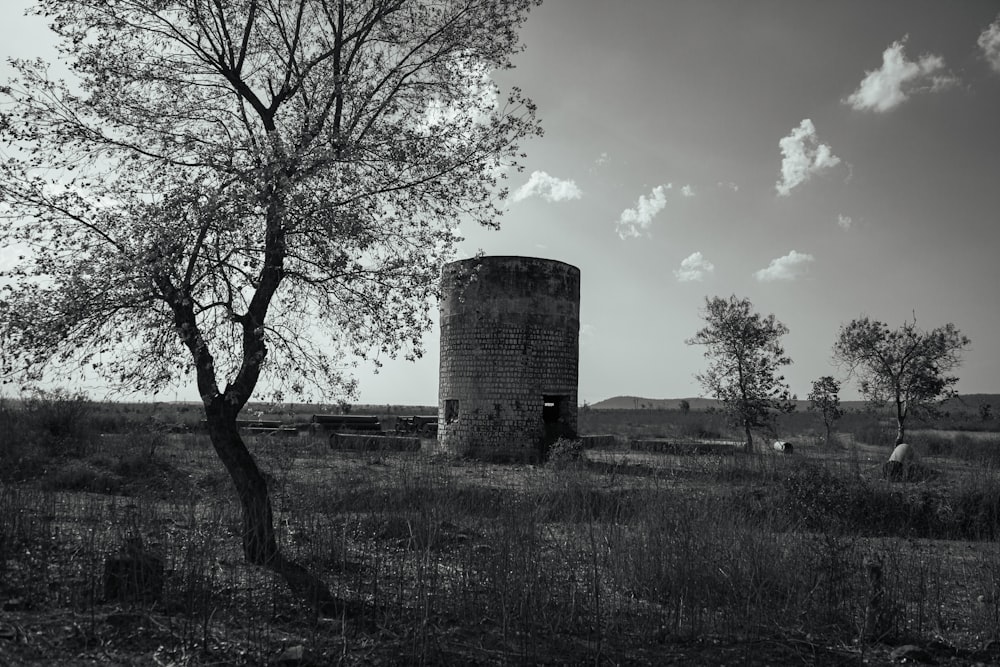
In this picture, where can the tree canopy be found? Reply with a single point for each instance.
(248, 186)
(907, 366)
(745, 353)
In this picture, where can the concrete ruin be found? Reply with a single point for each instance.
(510, 339)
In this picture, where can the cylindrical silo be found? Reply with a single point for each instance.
(510, 335)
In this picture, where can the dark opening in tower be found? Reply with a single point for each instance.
(555, 415)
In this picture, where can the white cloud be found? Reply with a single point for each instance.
(730, 185)
(989, 42)
(898, 78)
(548, 188)
(634, 221)
(789, 267)
(687, 191)
(802, 156)
(693, 268)
(601, 159)
(844, 221)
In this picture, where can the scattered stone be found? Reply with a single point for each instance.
(124, 620)
(15, 604)
(879, 618)
(292, 655)
(134, 576)
(782, 447)
(903, 466)
(902, 453)
(911, 654)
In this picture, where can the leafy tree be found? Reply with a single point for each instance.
(985, 412)
(684, 406)
(242, 190)
(824, 399)
(746, 355)
(907, 367)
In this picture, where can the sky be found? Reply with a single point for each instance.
(825, 160)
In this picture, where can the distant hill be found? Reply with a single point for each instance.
(638, 402)
(969, 402)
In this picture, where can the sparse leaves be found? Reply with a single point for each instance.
(824, 398)
(746, 357)
(236, 188)
(907, 367)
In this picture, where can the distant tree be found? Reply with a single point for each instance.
(746, 356)
(237, 189)
(824, 399)
(985, 412)
(685, 406)
(907, 367)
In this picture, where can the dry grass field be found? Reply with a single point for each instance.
(612, 557)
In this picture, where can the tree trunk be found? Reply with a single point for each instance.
(749, 444)
(900, 422)
(260, 546)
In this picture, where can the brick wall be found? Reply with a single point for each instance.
(510, 330)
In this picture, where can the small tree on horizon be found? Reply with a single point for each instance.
(745, 356)
(238, 190)
(684, 406)
(906, 367)
(824, 398)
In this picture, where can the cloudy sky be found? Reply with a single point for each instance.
(826, 160)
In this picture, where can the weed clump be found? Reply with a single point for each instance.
(565, 451)
(77, 475)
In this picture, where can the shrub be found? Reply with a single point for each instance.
(20, 457)
(960, 446)
(61, 420)
(699, 430)
(817, 498)
(565, 451)
(78, 475)
(874, 433)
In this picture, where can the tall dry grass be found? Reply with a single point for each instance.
(457, 561)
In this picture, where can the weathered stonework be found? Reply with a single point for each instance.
(510, 334)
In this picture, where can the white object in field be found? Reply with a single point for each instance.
(903, 453)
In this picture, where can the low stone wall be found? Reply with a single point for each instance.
(679, 447)
(282, 432)
(362, 442)
(599, 441)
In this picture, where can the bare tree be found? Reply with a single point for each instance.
(907, 367)
(248, 189)
(746, 355)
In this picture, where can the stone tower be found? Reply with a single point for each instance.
(510, 334)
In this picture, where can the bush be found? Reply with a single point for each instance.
(20, 457)
(818, 499)
(960, 446)
(699, 430)
(78, 475)
(873, 433)
(565, 451)
(61, 420)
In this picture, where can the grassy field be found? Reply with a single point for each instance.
(614, 557)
